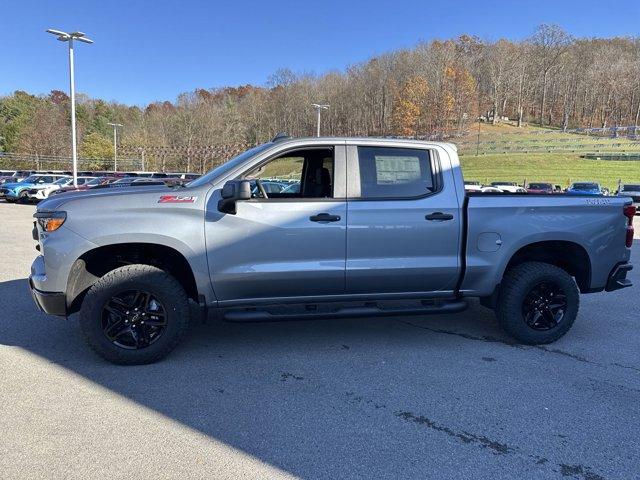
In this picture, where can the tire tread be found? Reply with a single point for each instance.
(160, 279)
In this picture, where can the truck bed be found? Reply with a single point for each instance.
(498, 225)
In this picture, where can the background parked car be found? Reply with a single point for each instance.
(16, 176)
(511, 187)
(630, 190)
(489, 189)
(42, 192)
(12, 192)
(134, 182)
(94, 182)
(540, 187)
(472, 186)
(269, 186)
(584, 188)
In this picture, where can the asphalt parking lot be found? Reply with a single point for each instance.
(435, 397)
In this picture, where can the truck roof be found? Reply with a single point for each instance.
(379, 140)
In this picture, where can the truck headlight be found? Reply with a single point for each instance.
(50, 221)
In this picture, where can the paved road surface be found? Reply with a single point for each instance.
(444, 397)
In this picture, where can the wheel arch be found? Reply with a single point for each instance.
(570, 256)
(95, 263)
(565, 254)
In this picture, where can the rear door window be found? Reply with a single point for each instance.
(394, 172)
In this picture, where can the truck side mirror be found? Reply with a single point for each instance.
(232, 192)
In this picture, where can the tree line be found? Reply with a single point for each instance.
(435, 89)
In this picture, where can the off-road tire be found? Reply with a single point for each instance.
(514, 288)
(158, 282)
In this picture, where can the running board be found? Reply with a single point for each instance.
(370, 309)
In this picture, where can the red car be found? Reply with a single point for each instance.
(541, 188)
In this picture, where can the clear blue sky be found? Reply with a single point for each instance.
(154, 50)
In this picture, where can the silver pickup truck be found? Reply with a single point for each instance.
(321, 228)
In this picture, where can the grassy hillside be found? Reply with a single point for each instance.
(558, 168)
(533, 154)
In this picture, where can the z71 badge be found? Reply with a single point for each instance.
(177, 199)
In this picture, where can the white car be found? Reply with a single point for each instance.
(472, 186)
(42, 192)
(511, 187)
(490, 190)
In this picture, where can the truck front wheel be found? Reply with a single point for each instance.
(134, 315)
(538, 302)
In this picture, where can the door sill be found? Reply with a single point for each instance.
(313, 311)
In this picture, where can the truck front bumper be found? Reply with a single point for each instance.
(51, 303)
(618, 277)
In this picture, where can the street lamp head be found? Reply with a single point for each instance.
(115, 124)
(57, 32)
(316, 105)
(65, 37)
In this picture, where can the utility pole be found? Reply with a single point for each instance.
(115, 144)
(479, 117)
(142, 157)
(319, 109)
(70, 37)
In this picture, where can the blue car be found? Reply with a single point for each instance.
(12, 192)
(584, 188)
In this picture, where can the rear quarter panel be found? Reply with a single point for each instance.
(499, 226)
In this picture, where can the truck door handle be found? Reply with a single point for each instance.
(324, 217)
(438, 216)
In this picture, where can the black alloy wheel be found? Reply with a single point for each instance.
(133, 319)
(544, 306)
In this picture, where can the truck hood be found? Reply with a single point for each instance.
(57, 201)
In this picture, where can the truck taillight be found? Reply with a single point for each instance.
(629, 212)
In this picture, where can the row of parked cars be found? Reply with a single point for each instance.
(577, 188)
(34, 186)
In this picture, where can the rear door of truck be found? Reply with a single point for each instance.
(403, 219)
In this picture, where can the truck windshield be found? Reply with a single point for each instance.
(228, 166)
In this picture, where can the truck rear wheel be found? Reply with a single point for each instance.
(538, 302)
(134, 315)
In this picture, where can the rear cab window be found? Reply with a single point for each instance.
(392, 172)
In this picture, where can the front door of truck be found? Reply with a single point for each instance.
(403, 229)
(289, 240)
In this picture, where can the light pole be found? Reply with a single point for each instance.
(115, 144)
(70, 37)
(319, 109)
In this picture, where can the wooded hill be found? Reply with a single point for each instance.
(434, 89)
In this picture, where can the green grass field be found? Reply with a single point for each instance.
(533, 154)
(557, 168)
